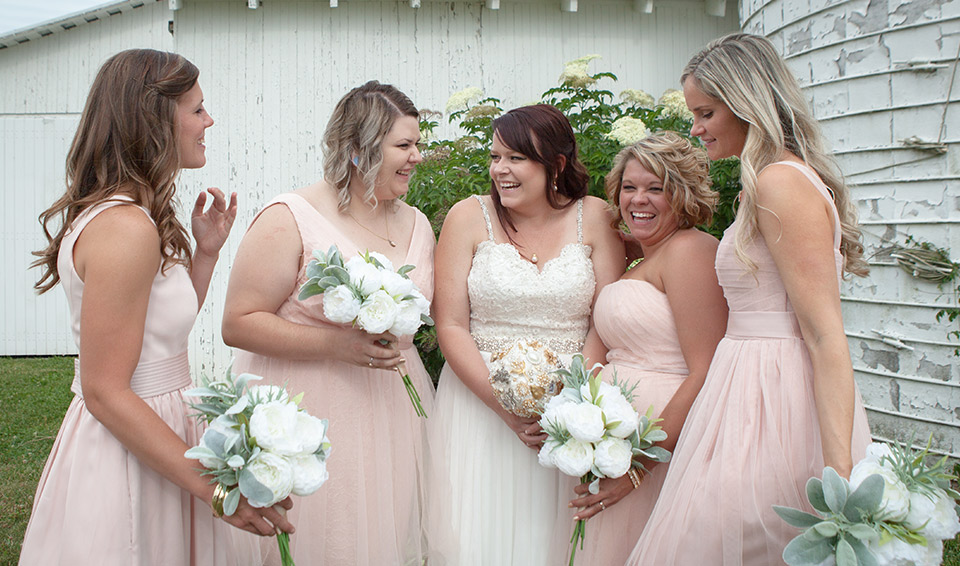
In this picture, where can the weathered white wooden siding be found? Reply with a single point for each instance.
(879, 72)
(272, 75)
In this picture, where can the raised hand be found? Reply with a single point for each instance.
(211, 227)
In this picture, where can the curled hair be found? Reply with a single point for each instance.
(360, 121)
(747, 74)
(126, 143)
(683, 169)
(543, 134)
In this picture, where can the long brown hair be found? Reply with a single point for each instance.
(126, 144)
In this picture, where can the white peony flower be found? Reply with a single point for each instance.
(675, 105)
(309, 473)
(273, 472)
(263, 393)
(896, 497)
(377, 313)
(545, 456)
(365, 276)
(612, 457)
(384, 261)
(574, 458)
(552, 412)
(274, 425)
(637, 97)
(616, 408)
(340, 304)
(461, 100)
(575, 72)
(408, 319)
(627, 130)
(876, 451)
(422, 303)
(896, 552)
(396, 285)
(937, 511)
(310, 431)
(584, 421)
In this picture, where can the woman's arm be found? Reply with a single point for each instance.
(796, 223)
(210, 230)
(264, 275)
(117, 256)
(609, 263)
(462, 230)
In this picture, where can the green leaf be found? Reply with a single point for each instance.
(827, 529)
(835, 490)
(253, 489)
(231, 501)
(864, 556)
(865, 499)
(796, 517)
(845, 554)
(406, 269)
(815, 495)
(802, 551)
(863, 532)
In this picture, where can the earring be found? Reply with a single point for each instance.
(355, 161)
(624, 228)
(554, 187)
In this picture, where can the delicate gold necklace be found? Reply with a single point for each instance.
(386, 227)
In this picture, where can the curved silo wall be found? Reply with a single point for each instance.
(881, 77)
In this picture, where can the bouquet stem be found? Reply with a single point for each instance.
(283, 541)
(411, 390)
(579, 535)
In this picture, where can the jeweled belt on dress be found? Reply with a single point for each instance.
(763, 324)
(559, 346)
(150, 378)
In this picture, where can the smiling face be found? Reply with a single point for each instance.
(723, 134)
(192, 122)
(400, 158)
(644, 206)
(518, 178)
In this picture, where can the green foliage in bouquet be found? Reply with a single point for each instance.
(455, 169)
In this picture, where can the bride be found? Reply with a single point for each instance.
(514, 264)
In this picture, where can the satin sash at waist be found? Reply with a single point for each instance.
(150, 378)
(763, 324)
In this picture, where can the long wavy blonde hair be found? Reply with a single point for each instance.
(356, 129)
(747, 74)
(126, 143)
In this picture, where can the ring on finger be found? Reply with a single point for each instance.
(602, 506)
(370, 363)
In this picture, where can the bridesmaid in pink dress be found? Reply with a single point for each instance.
(117, 489)
(661, 323)
(369, 513)
(779, 402)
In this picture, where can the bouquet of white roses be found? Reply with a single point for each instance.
(524, 378)
(594, 432)
(367, 292)
(896, 510)
(259, 443)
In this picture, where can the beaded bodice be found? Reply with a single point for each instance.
(511, 298)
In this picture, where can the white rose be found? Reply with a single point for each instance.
(937, 511)
(616, 408)
(273, 472)
(895, 552)
(574, 458)
(363, 275)
(263, 393)
(274, 426)
(408, 319)
(384, 261)
(396, 285)
(377, 313)
(309, 473)
(612, 457)
(584, 421)
(545, 456)
(310, 432)
(340, 304)
(896, 497)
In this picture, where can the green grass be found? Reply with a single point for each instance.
(34, 396)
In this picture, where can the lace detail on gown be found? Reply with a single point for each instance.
(511, 298)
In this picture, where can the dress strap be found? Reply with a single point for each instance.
(580, 221)
(824, 190)
(486, 216)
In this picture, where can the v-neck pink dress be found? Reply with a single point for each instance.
(369, 511)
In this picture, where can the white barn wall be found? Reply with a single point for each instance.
(272, 75)
(854, 60)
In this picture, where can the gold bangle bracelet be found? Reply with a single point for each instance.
(636, 476)
(219, 495)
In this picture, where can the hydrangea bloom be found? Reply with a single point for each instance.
(674, 104)
(627, 130)
(575, 72)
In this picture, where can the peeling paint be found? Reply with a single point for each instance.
(911, 12)
(876, 358)
(935, 371)
(799, 40)
(895, 394)
(874, 20)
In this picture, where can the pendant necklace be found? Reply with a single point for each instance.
(386, 227)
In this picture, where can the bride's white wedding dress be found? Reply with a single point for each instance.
(486, 484)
